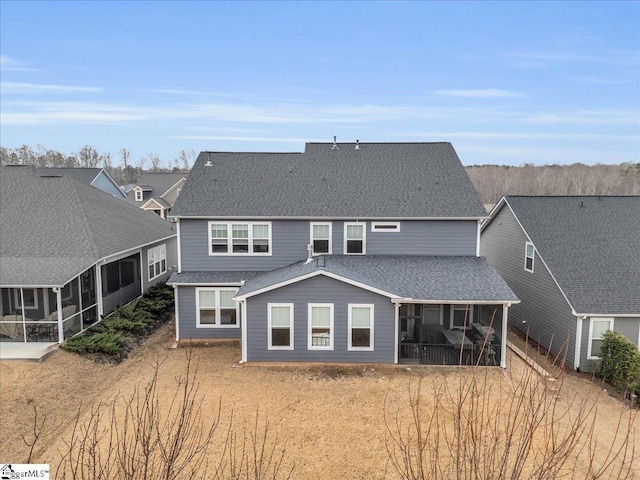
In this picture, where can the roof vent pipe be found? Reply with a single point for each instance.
(335, 145)
(357, 147)
(208, 164)
(309, 254)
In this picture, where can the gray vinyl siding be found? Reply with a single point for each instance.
(187, 319)
(291, 237)
(103, 183)
(320, 289)
(543, 312)
(172, 262)
(627, 326)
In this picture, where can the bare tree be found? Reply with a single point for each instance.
(184, 161)
(88, 156)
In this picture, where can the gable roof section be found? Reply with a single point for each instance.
(409, 277)
(53, 228)
(85, 175)
(157, 183)
(590, 245)
(378, 180)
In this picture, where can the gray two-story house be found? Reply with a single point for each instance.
(364, 252)
(574, 263)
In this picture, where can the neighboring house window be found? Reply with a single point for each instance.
(354, 238)
(157, 261)
(385, 226)
(321, 326)
(239, 238)
(215, 307)
(29, 296)
(529, 253)
(321, 238)
(360, 327)
(138, 194)
(597, 329)
(280, 328)
(461, 316)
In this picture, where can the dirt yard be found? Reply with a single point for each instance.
(329, 419)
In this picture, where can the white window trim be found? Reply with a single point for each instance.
(330, 225)
(385, 227)
(533, 256)
(364, 238)
(162, 251)
(291, 337)
(460, 306)
(310, 345)
(590, 338)
(217, 308)
(18, 297)
(349, 333)
(138, 194)
(230, 251)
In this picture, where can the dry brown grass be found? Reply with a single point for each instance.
(329, 418)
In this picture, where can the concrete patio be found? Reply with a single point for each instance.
(35, 351)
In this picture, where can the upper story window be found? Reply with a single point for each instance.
(239, 238)
(355, 238)
(529, 254)
(321, 238)
(138, 194)
(157, 261)
(385, 227)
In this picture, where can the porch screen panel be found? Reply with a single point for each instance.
(207, 306)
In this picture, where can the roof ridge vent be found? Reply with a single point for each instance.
(335, 145)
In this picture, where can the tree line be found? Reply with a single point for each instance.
(123, 170)
(492, 181)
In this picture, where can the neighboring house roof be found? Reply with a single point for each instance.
(590, 244)
(211, 278)
(377, 180)
(53, 228)
(427, 278)
(85, 175)
(157, 183)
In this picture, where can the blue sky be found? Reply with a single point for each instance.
(505, 82)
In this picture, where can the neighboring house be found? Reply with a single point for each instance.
(157, 191)
(574, 262)
(96, 177)
(344, 253)
(70, 253)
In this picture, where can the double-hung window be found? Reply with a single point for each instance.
(280, 326)
(360, 327)
(461, 316)
(320, 326)
(215, 307)
(529, 254)
(597, 329)
(239, 238)
(321, 238)
(157, 261)
(355, 238)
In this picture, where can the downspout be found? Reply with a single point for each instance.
(505, 317)
(576, 359)
(396, 344)
(176, 307)
(478, 239)
(58, 293)
(178, 246)
(243, 329)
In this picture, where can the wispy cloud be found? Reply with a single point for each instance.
(187, 92)
(228, 138)
(21, 88)
(517, 136)
(480, 93)
(8, 63)
(585, 117)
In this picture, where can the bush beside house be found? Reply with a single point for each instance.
(116, 335)
(620, 363)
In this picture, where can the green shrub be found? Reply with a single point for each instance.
(117, 323)
(134, 313)
(109, 342)
(619, 361)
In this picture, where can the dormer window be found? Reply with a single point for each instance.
(354, 238)
(138, 194)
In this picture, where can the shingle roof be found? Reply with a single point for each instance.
(210, 278)
(52, 228)
(85, 175)
(158, 183)
(447, 279)
(591, 244)
(378, 180)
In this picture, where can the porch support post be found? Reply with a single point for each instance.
(503, 340)
(99, 289)
(58, 292)
(396, 330)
